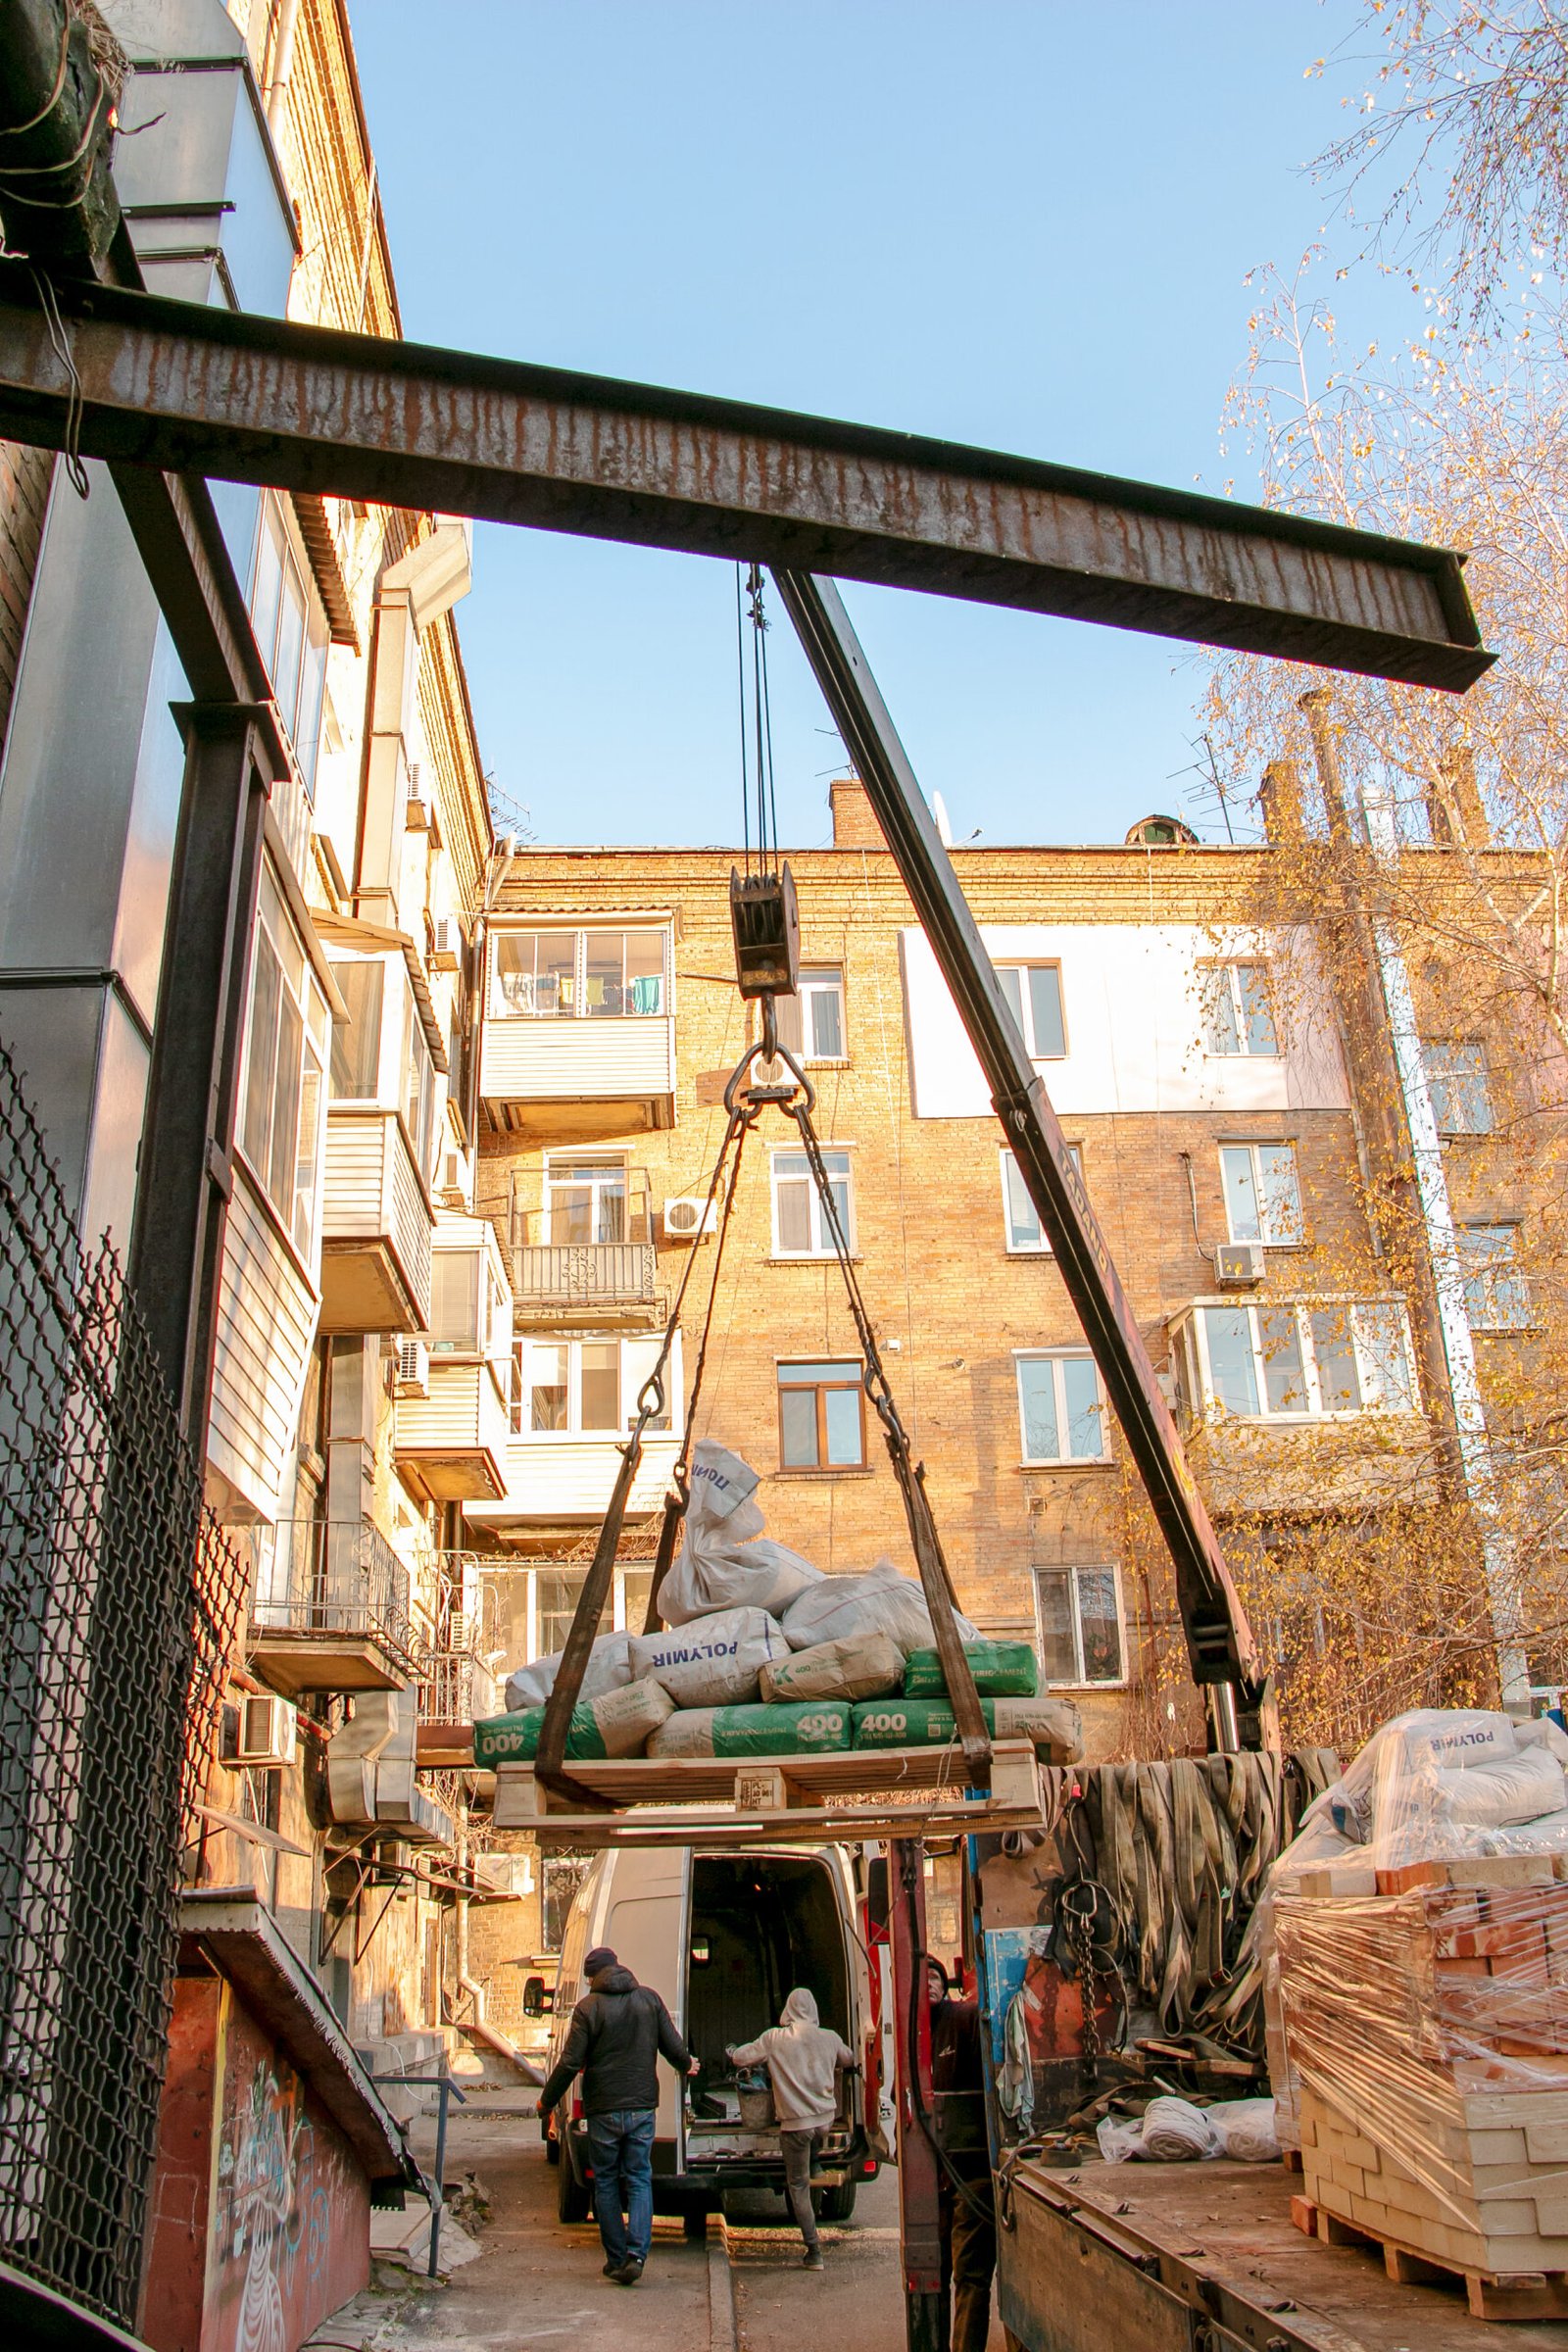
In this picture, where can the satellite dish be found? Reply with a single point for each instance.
(939, 809)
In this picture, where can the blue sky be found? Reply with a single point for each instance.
(1016, 223)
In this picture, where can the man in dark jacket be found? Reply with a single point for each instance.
(966, 2213)
(619, 2031)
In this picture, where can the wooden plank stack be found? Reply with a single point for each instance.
(1427, 2025)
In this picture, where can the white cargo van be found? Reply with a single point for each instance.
(723, 1937)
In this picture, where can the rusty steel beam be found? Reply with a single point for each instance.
(185, 388)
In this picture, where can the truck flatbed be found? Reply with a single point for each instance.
(1143, 2257)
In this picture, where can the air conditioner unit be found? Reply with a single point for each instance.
(1237, 1265)
(453, 1188)
(265, 1733)
(414, 1368)
(689, 1215)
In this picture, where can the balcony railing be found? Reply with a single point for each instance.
(577, 1275)
(456, 1686)
(332, 1600)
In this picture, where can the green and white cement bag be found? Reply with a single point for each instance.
(1001, 1670)
(820, 1729)
(615, 1724)
(1052, 1723)
(861, 1666)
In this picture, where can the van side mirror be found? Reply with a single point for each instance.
(538, 1998)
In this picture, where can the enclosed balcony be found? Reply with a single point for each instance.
(450, 1439)
(588, 1252)
(579, 1031)
(573, 1401)
(376, 1225)
(331, 1610)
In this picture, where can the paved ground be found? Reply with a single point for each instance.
(537, 2284)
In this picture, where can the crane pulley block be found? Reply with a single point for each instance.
(767, 924)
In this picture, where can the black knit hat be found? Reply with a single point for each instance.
(598, 1960)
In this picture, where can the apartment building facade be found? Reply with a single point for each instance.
(1209, 1108)
(248, 179)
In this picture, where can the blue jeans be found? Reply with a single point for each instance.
(620, 2149)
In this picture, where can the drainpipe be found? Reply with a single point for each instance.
(1396, 1004)
(288, 16)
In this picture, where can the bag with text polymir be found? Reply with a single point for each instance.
(712, 1661)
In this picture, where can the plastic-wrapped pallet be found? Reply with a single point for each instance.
(1419, 2029)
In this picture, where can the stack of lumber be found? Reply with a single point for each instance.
(1427, 2026)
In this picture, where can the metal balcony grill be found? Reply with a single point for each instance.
(121, 1604)
(573, 1275)
(335, 1578)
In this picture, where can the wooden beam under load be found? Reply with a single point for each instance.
(185, 388)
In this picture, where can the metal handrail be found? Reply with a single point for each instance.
(334, 1576)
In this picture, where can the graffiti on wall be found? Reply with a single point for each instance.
(290, 2220)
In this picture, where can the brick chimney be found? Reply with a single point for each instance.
(1279, 796)
(854, 825)
(1456, 798)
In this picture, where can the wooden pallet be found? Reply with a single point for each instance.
(1491, 2294)
(861, 1795)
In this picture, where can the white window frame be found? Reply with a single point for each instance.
(1071, 1570)
(1440, 1086)
(1026, 1014)
(299, 1219)
(574, 928)
(821, 1241)
(1274, 1147)
(617, 1595)
(522, 1388)
(1007, 1159)
(303, 693)
(1193, 1333)
(558, 1176)
(797, 1014)
(1223, 982)
(1487, 1279)
(1058, 1359)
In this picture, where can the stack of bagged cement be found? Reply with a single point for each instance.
(766, 1656)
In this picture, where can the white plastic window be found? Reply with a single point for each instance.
(1239, 1017)
(1262, 1197)
(800, 1228)
(1060, 1407)
(812, 1023)
(1295, 1362)
(1034, 992)
(285, 1058)
(1026, 1236)
(1078, 1613)
(1497, 1295)
(1457, 1082)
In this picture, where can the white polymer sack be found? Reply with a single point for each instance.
(712, 1662)
(1176, 2132)
(1244, 2129)
(626, 1717)
(725, 1562)
(1455, 1739)
(1501, 1793)
(880, 1602)
(865, 1666)
(608, 1667)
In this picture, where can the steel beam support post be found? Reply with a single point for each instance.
(919, 2203)
(1219, 1641)
(185, 1174)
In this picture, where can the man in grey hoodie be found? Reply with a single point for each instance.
(803, 2061)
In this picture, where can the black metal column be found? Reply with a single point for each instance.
(184, 1176)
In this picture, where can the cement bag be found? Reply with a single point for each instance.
(712, 1662)
(880, 1602)
(1175, 2131)
(1051, 1723)
(514, 1738)
(725, 1562)
(865, 1666)
(607, 1669)
(1504, 1793)
(820, 1729)
(1245, 2129)
(1001, 1670)
(625, 1718)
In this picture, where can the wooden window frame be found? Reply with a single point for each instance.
(819, 1389)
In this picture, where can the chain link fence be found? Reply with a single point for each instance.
(121, 1604)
